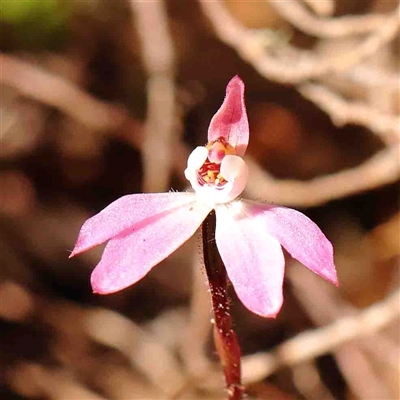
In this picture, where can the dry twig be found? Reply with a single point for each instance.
(41, 85)
(364, 381)
(311, 344)
(199, 326)
(381, 169)
(34, 380)
(300, 17)
(118, 332)
(344, 112)
(288, 64)
(324, 8)
(158, 58)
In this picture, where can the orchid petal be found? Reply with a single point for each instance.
(123, 214)
(230, 121)
(300, 236)
(253, 260)
(128, 257)
(235, 170)
(197, 158)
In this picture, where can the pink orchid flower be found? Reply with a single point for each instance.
(144, 229)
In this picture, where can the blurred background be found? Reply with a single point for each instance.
(104, 98)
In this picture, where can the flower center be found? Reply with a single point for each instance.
(209, 173)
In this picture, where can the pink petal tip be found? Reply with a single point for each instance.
(230, 121)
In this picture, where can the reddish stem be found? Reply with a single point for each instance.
(224, 337)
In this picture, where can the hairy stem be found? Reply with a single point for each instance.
(224, 337)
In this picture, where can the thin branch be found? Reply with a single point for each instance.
(308, 381)
(381, 169)
(55, 91)
(41, 85)
(291, 65)
(359, 374)
(369, 77)
(197, 333)
(142, 348)
(324, 8)
(310, 344)
(352, 360)
(333, 337)
(38, 381)
(344, 112)
(158, 58)
(294, 12)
